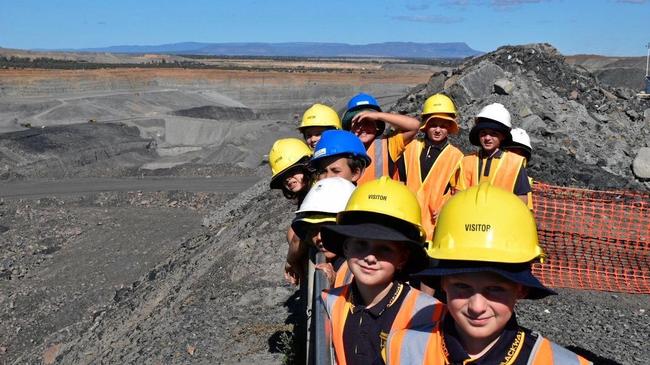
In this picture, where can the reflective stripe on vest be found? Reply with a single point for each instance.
(343, 275)
(505, 175)
(378, 151)
(415, 346)
(417, 309)
(547, 352)
(419, 343)
(337, 307)
(430, 191)
(379, 158)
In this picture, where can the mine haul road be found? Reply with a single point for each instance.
(44, 188)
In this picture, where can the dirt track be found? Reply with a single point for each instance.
(35, 189)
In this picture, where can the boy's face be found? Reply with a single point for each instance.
(490, 139)
(374, 262)
(366, 130)
(313, 236)
(312, 135)
(437, 131)
(481, 304)
(337, 166)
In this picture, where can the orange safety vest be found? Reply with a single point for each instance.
(425, 346)
(417, 309)
(505, 175)
(343, 275)
(381, 163)
(430, 191)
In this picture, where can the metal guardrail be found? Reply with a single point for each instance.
(319, 350)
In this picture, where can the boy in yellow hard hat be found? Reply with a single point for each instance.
(484, 245)
(431, 166)
(380, 235)
(317, 119)
(367, 121)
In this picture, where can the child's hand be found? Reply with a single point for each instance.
(370, 116)
(328, 269)
(292, 274)
(434, 216)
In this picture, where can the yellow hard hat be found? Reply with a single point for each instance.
(381, 209)
(440, 106)
(439, 103)
(319, 115)
(485, 223)
(284, 154)
(386, 197)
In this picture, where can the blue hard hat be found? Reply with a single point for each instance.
(363, 101)
(339, 142)
(356, 104)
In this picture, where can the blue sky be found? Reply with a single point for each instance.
(608, 27)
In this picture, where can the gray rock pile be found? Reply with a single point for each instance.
(584, 133)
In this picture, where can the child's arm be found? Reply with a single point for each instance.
(406, 125)
(296, 253)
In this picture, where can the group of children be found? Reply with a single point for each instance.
(427, 250)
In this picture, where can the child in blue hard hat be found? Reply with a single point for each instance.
(339, 153)
(365, 118)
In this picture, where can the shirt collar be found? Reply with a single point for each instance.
(439, 146)
(379, 308)
(496, 154)
(456, 354)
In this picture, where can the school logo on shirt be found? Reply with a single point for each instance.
(477, 227)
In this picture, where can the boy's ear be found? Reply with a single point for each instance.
(357, 173)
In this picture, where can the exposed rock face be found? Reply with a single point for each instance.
(78, 150)
(583, 133)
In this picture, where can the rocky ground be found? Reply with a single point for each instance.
(176, 277)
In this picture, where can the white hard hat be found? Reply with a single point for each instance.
(321, 204)
(496, 112)
(520, 136)
(327, 196)
(520, 141)
(494, 116)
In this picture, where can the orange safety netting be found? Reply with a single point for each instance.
(597, 240)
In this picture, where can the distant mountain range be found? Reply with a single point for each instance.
(302, 49)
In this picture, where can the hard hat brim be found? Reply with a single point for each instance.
(334, 236)
(517, 273)
(528, 152)
(304, 220)
(489, 124)
(276, 180)
(452, 126)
